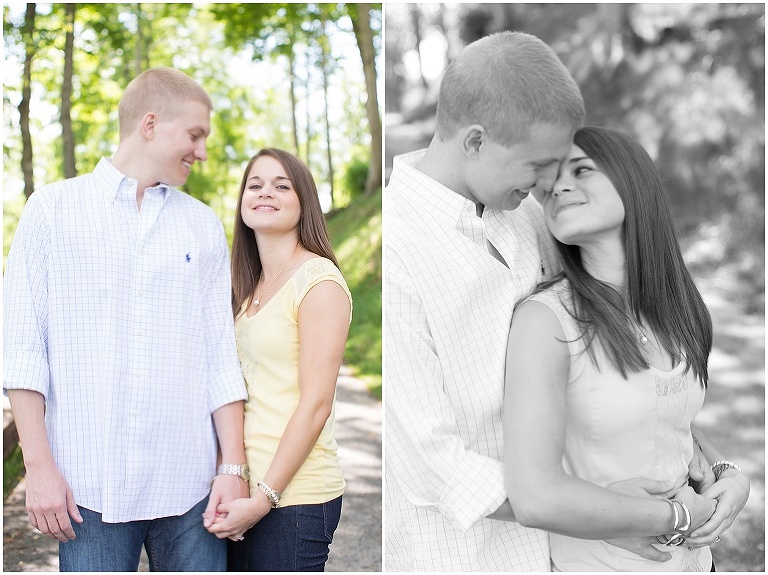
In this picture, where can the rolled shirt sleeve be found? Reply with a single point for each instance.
(425, 450)
(225, 376)
(25, 303)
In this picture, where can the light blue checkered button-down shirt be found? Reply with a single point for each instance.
(121, 319)
(447, 309)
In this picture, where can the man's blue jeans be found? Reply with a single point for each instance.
(178, 543)
(293, 538)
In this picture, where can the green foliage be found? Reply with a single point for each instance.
(355, 175)
(11, 214)
(686, 80)
(238, 52)
(13, 471)
(356, 235)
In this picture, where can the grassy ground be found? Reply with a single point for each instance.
(356, 235)
(13, 469)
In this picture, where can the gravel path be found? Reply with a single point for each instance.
(357, 543)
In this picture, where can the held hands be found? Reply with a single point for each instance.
(50, 502)
(699, 472)
(642, 546)
(700, 507)
(233, 519)
(225, 488)
(730, 492)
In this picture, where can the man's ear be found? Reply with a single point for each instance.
(148, 124)
(472, 140)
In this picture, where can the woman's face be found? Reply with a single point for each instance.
(583, 205)
(270, 202)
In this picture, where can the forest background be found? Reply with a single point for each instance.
(688, 81)
(301, 77)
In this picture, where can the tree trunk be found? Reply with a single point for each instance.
(139, 45)
(27, 33)
(292, 77)
(364, 36)
(308, 87)
(324, 69)
(67, 137)
(416, 26)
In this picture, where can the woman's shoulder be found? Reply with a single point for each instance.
(555, 294)
(315, 270)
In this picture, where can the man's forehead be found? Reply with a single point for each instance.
(549, 142)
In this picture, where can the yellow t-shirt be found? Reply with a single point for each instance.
(268, 347)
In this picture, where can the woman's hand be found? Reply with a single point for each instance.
(700, 472)
(700, 507)
(233, 519)
(731, 492)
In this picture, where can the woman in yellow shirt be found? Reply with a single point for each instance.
(292, 313)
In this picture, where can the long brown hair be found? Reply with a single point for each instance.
(659, 286)
(312, 229)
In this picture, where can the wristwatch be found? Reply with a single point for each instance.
(720, 466)
(241, 471)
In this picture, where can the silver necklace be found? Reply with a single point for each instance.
(258, 297)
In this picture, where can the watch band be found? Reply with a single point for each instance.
(721, 466)
(241, 471)
(272, 495)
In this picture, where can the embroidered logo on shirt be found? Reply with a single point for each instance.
(188, 258)
(670, 386)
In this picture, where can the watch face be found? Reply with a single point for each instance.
(246, 474)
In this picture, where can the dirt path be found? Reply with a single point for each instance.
(357, 543)
(734, 418)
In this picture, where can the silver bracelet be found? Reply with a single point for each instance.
(687, 513)
(272, 495)
(675, 540)
(720, 466)
(677, 515)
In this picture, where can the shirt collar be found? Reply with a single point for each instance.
(443, 202)
(117, 184)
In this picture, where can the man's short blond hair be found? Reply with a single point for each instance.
(507, 82)
(159, 90)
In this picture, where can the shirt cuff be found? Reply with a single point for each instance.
(474, 491)
(226, 387)
(22, 370)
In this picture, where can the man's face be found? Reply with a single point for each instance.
(500, 177)
(180, 142)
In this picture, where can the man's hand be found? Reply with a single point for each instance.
(641, 487)
(50, 502)
(731, 492)
(237, 517)
(699, 471)
(225, 488)
(642, 546)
